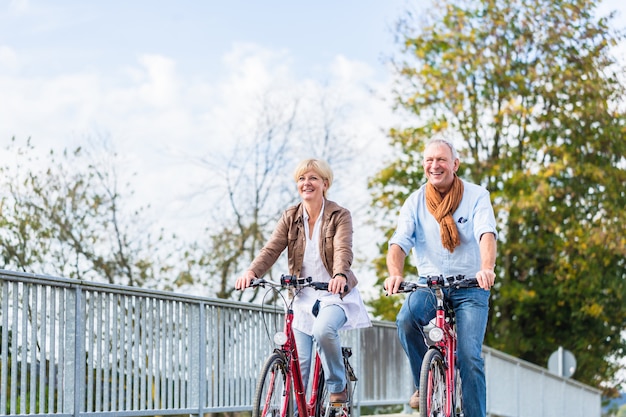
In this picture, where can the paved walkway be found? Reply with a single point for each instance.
(413, 414)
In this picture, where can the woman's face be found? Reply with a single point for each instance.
(311, 186)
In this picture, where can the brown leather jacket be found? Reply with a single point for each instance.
(335, 242)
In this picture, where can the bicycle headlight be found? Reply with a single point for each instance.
(280, 338)
(435, 334)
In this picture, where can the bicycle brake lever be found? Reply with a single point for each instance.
(259, 282)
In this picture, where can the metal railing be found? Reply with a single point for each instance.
(517, 388)
(74, 348)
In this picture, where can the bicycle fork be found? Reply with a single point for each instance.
(295, 376)
(447, 345)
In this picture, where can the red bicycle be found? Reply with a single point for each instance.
(280, 382)
(440, 379)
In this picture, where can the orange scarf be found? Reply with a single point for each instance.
(442, 209)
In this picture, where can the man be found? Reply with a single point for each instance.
(450, 225)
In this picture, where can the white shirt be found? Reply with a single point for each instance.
(312, 266)
(419, 230)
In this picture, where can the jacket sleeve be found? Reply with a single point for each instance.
(342, 247)
(273, 248)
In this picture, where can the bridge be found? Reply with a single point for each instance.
(70, 348)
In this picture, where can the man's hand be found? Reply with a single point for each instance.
(486, 278)
(392, 284)
(395, 266)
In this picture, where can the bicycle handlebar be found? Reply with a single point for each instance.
(439, 281)
(292, 281)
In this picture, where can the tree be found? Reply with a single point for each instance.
(530, 92)
(253, 181)
(255, 184)
(64, 216)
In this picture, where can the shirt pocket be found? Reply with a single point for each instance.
(465, 226)
(329, 232)
(295, 249)
(292, 235)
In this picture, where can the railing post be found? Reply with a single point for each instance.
(201, 343)
(356, 346)
(4, 346)
(68, 347)
(78, 344)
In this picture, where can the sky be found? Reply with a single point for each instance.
(163, 79)
(168, 80)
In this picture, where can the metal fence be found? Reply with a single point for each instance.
(74, 348)
(69, 347)
(517, 388)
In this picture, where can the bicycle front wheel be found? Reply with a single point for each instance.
(433, 385)
(273, 394)
(458, 393)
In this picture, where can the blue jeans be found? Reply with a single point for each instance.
(471, 306)
(326, 337)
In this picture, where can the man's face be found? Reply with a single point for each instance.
(439, 166)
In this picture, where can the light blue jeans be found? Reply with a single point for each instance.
(326, 337)
(471, 306)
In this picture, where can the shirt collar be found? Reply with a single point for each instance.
(305, 214)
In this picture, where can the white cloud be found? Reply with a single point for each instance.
(346, 70)
(157, 117)
(159, 86)
(8, 60)
(19, 6)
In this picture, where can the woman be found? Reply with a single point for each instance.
(318, 236)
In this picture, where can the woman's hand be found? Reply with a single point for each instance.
(337, 284)
(244, 281)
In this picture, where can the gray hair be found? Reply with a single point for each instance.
(443, 141)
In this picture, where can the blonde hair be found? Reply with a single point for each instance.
(319, 166)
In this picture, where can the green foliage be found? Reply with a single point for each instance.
(528, 91)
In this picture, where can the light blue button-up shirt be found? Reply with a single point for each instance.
(419, 230)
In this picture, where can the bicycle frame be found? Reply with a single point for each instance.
(447, 346)
(282, 369)
(290, 351)
(443, 343)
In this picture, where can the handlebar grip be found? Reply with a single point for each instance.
(466, 283)
(407, 286)
(257, 282)
(323, 286)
